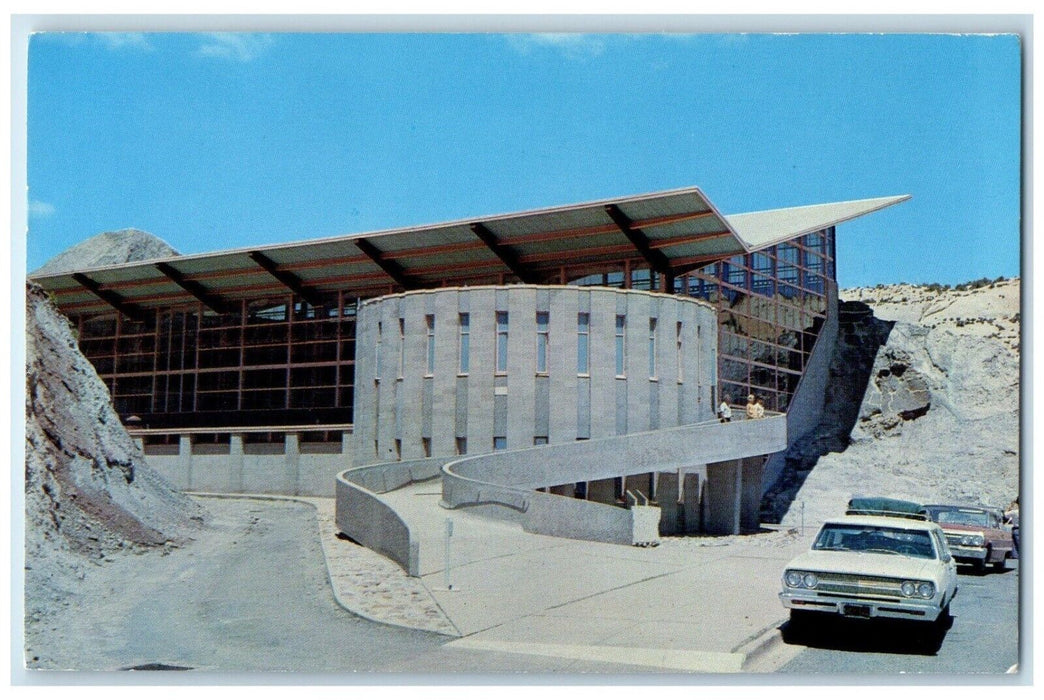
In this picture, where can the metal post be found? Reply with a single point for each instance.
(446, 569)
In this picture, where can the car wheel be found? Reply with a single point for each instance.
(945, 619)
(1001, 565)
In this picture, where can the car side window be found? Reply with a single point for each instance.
(940, 546)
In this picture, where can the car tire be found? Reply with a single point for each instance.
(945, 619)
(1001, 565)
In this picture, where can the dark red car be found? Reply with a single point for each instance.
(975, 534)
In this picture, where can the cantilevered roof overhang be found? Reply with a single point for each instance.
(761, 229)
(672, 232)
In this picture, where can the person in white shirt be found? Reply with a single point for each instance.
(724, 410)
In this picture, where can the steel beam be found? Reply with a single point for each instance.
(656, 259)
(111, 298)
(506, 255)
(288, 279)
(211, 301)
(390, 267)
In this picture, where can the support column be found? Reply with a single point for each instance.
(750, 515)
(692, 504)
(235, 463)
(292, 452)
(667, 497)
(724, 497)
(185, 460)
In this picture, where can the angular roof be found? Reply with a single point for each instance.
(761, 229)
(673, 232)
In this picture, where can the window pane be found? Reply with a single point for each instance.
(542, 340)
(502, 340)
(465, 343)
(431, 343)
(620, 345)
(583, 330)
(652, 347)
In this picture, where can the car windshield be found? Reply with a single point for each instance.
(980, 518)
(869, 538)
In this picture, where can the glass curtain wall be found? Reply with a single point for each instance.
(771, 307)
(282, 361)
(279, 360)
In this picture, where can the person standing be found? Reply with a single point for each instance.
(759, 408)
(725, 410)
(751, 407)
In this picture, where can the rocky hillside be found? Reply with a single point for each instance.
(924, 405)
(88, 492)
(111, 248)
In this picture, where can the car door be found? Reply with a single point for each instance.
(948, 562)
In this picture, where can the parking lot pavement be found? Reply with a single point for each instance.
(693, 604)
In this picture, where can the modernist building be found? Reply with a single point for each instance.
(273, 368)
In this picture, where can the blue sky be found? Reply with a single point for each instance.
(213, 141)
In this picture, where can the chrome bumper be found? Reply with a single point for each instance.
(856, 607)
(972, 554)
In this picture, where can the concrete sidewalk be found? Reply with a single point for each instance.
(697, 604)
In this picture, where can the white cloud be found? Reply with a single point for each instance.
(40, 210)
(124, 40)
(231, 46)
(571, 46)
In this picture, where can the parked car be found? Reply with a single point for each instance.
(883, 559)
(976, 534)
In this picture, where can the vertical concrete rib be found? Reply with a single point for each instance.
(480, 377)
(522, 305)
(562, 364)
(444, 383)
(413, 310)
(635, 337)
(386, 388)
(603, 359)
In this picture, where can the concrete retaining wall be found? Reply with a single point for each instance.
(361, 514)
(291, 468)
(806, 407)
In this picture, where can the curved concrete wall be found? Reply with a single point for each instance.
(509, 479)
(362, 515)
(406, 410)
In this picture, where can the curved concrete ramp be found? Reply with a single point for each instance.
(364, 516)
(509, 479)
(506, 482)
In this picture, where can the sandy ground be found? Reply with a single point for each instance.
(250, 594)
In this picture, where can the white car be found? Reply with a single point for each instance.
(871, 566)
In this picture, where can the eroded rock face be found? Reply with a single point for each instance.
(88, 491)
(896, 392)
(937, 414)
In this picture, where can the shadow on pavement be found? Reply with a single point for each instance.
(882, 636)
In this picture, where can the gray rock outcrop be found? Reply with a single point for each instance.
(88, 492)
(936, 418)
(111, 248)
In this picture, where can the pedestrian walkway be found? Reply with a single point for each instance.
(695, 604)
